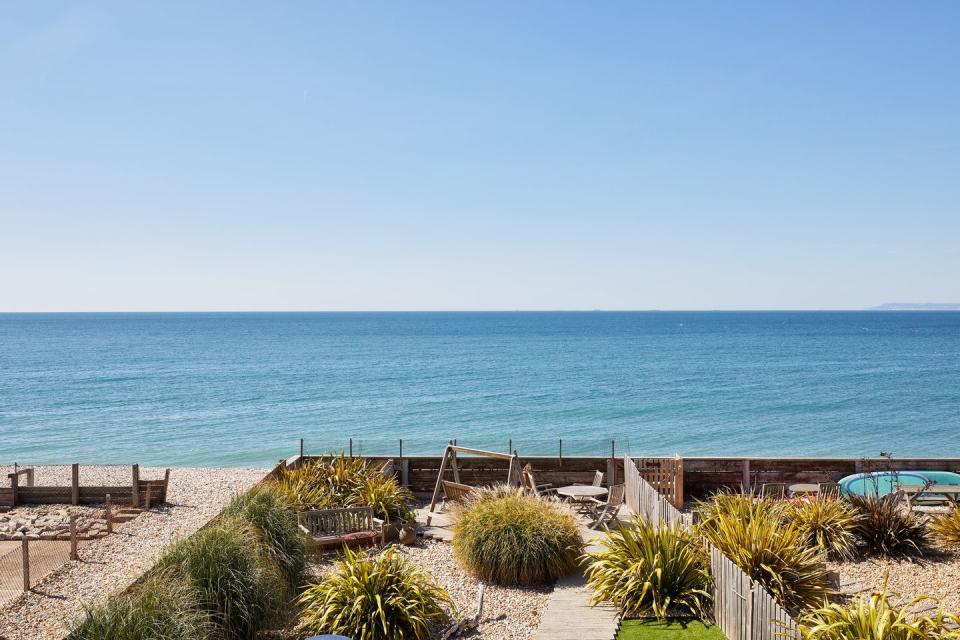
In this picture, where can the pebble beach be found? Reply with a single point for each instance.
(110, 564)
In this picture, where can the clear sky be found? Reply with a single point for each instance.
(482, 155)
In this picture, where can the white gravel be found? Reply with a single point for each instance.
(508, 613)
(110, 564)
(937, 576)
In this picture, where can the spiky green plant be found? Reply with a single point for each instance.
(888, 528)
(644, 571)
(867, 617)
(162, 608)
(772, 552)
(374, 598)
(389, 500)
(517, 540)
(334, 482)
(269, 511)
(941, 626)
(827, 524)
(728, 504)
(946, 528)
(236, 581)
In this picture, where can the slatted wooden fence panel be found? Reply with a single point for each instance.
(644, 498)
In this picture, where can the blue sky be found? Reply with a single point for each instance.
(494, 155)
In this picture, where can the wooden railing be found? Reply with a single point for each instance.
(742, 607)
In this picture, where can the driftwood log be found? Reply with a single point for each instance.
(465, 624)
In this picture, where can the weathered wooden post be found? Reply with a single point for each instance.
(25, 546)
(14, 486)
(301, 447)
(745, 479)
(75, 484)
(146, 505)
(561, 452)
(351, 447)
(73, 537)
(108, 515)
(30, 477)
(135, 494)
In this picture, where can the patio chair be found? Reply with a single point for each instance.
(583, 504)
(387, 469)
(354, 526)
(775, 490)
(539, 490)
(828, 490)
(604, 513)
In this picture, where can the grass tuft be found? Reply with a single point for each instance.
(829, 525)
(946, 528)
(516, 539)
(269, 512)
(887, 528)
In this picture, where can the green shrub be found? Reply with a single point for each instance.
(330, 483)
(162, 608)
(946, 528)
(827, 524)
(865, 618)
(516, 539)
(889, 529)
(273, 516)
(772, 552)
(374, 598)
(389, 500)
(234, 578)
(648, 571)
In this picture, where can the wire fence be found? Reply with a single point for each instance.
(27, 561)
(418, 447)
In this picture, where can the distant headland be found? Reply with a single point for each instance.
(918, 306)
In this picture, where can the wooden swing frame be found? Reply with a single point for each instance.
(450, 460)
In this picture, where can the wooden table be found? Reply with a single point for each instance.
(580, 491)
(943, 493)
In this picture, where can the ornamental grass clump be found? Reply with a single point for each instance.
(234, 578)
(331, 483)
(164, 607)
(646, 571)
(517, 540)
(380, 597)
(753, 534)
(946, 528)
(889, 529)
(269, 511)
(827, 524)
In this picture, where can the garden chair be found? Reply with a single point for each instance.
(775, 490)
(354, 526)
(604, 513)
(531, 486)
(582, 504)
(828, 490)
(387, 469)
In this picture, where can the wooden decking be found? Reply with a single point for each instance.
(569, 615)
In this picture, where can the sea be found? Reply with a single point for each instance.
(243, 389)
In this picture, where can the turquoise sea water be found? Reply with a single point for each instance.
(242, 389)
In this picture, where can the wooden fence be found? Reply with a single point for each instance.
(643, 498)
(665, 475)
(742, 608)
(136, 493)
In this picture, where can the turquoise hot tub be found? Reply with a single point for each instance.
(884, 482)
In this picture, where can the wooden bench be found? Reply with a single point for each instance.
(933, 494)
(354, 526)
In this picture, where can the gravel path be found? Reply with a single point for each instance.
(508, 613)
(109, 565)
(938, 577)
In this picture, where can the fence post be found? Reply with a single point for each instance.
(25, 546)
(108, 515)
(561, 452)
(135, 494)
(351, 447)
(613, 462)
(75, 484)
(301, 447)
(146, 498)
(745, 480)
(401, 449)
(73, 537)
(30, 476)
(14, 486)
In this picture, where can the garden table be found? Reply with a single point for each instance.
(804, 488)
(580, 491)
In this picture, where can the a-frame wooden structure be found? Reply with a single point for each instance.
(449, 461)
